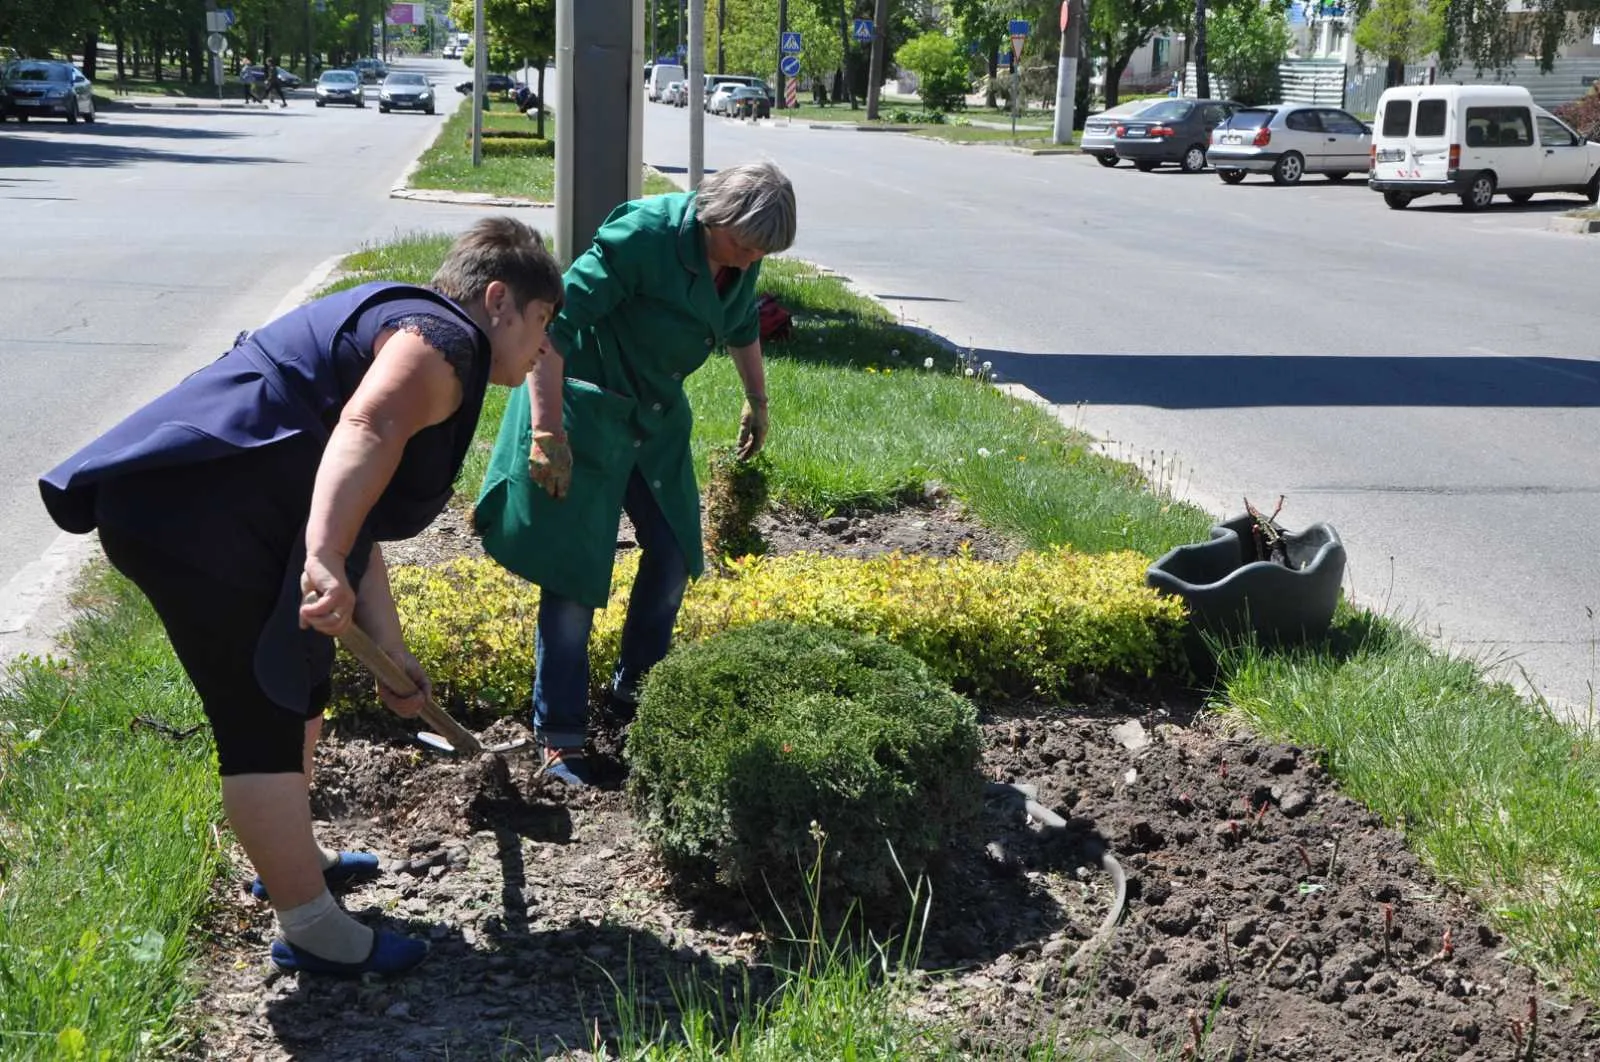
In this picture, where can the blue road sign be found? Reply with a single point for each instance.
(1018, 27)
(863, 31)
(789, 43)
(229, 17)
(1002, 58)
(790, 66)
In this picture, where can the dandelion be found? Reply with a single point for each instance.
(927, 363)
(988, 366)
(969, 370)
(872, 370)
(995, 377)
(895, 353)
(983, 451)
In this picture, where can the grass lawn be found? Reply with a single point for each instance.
(107, 86)
(107, 836)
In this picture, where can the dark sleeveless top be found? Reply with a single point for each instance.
(218, 471)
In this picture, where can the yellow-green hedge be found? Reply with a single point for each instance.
(1028, 626)
(499, 145)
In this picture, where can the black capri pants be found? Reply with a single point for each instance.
(214, 627)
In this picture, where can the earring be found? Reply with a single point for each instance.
(494, 322)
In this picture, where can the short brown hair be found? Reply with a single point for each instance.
(503, 249)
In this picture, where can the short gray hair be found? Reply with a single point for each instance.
(753, 200)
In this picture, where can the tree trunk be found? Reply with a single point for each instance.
(844, 42)
(1114, 71)
(122, 54)
(1395, 74)
(542, 64)
(91, 54)
(880, 44)
(991, 96)
(157, 46)
(1202, 76)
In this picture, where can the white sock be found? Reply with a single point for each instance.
(329, 856)
(324, 930)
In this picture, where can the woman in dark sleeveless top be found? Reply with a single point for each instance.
(271, 475)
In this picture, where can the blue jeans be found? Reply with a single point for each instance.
(561, 677)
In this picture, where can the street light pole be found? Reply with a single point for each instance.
(697, 80)
(480, 78)
(783, 27)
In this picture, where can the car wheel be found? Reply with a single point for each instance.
(1337, 175)
(1397, 200)
(1594, 189)
(1145, 167)
(1479, 193)
(362, 104)
(22, 119)
(322, 103)
(72, 112)
(1520, 197)
(1194, 160)
(1231, 176)
(430, 110)
(1107, 161)
(1290, 168)
(382, 109)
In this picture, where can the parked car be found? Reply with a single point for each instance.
(673, 91)
(1289, 141)
(405, 92)
(252, 75)
(1476, 141)
(340, 86)
(1100, 130)
(501, 83)
(717, 100)
(372, 71)
(747, 101)
(1173, 131)
(662, 75)
(44, 88)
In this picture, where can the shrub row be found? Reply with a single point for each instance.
(498, 144)
(1030, 626)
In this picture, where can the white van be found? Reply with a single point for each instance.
(662, 75)
(1475, 141)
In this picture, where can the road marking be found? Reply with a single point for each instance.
(1399, 246)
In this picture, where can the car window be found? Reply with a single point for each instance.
(1303, 122)
(1168, 111)
(1553, 134)
(1492, 127)
(1396, 118)
(1213, 113)
(1431, 117)
(1341, 122)
(1249, 118)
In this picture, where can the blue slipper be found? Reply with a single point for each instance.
(391, 954)
(349, 867)
(566, 766)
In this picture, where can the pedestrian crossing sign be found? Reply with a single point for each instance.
(789, 43)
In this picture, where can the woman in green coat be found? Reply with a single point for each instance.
(604, 428)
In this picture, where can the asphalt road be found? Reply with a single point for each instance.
(1424, 380)
(136, 248)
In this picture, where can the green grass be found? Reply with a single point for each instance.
(108, 87)
(1501, 800)
(977, 134)
(107, 842)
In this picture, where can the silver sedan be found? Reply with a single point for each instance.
(1289, 141)
(1100, 130)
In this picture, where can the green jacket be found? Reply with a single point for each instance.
(642, 312)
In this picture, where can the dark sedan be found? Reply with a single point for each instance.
(1175, 131)
(43, 88)
(340, 86)
(501, 83)
(405, 92)
(749, 102)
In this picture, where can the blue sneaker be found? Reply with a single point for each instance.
(567, 766)
(349, 868)
(391, 954)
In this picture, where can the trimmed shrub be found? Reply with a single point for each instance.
(1028, 627)
(497, 145)
(748, 741)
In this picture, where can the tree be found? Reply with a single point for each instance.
(1401, 31)
(941, 70)
(1119, 28)
(750, 37)
(1248, 41)
(982, 24)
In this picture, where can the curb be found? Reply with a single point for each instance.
(439, 195)
(1579, 226)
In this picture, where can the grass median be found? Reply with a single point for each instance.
(106, 836)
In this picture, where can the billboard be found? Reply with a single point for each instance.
(405, 15)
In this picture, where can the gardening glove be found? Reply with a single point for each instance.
(753, 424)
(550, 463)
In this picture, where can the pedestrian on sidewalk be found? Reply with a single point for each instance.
(248, 502)
(274, 84)
(253, 77)
(668, 280)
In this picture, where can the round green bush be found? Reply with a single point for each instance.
(745, 740)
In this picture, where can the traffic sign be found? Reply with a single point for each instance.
(1018, 27)
(863, 31)
(789, 43)
(790, 66)
(217, 43)
(1066, 10)
(1017, 41)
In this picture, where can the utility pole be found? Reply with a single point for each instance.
(783, 27)
(1072, 15)
(1202, 76)
(722, 18)
(880, 44)
(697, 79)
(480, 76)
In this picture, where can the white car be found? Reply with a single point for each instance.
(1289, 141)
(1100, 130)
(717, 102)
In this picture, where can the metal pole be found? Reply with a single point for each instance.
(599, 146)
(783, 27)
(697, 84)
(722, 18)
(480, 75)
(1067, 72)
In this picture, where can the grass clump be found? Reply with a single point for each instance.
(107, 845)
(735, 494)
(751, 744)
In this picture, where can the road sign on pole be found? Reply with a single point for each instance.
(790, 66)
(863, 30)
(217, 43)
(789, 95)
(789, 43)
(1066, 11)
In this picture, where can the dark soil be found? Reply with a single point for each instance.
(1267, 916)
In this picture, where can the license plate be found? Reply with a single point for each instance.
(27, 103)
(1392, 155)
(1136, 132)
(1232, 138)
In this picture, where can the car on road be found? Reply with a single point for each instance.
(44, 88)
(255, 75)
(1289, 141)
(1476, 142)
(501, 83)
(372, 71)
(340, 86)
(406, 91)
(673, 91)
(1174, 131)
(746, 101)
(1100, 130)
(717, 100)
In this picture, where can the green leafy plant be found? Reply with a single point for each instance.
(1247, 42)
(941, 70)
(749, 741)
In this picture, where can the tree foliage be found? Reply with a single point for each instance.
(750, 36)
(942, 71)
(1402, 30)
(1246, 42)
(1119, 28)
